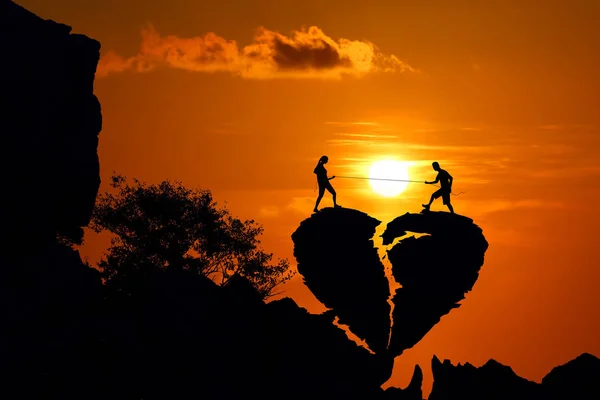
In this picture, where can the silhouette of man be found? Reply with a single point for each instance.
(323, 182)
(445, 180)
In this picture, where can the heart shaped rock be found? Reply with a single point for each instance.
(341, 267)
(338, 260)
(435, 270)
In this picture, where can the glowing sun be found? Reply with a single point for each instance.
(388, 169)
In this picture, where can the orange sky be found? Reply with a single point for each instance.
(503, 94)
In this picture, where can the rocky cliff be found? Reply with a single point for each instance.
(577, 379)
(50, 122)
(50, 125)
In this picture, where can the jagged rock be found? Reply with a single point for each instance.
(491, 381)
(178, 334)
(341, 266)
(50, 300)
(50, 303)
(435, 270)
(50, 125)
(412, 392)
(578, 379)
(225, 342)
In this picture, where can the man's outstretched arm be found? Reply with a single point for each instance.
(437, 179)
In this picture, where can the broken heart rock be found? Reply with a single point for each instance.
(435, 270)
(340, 265)
(336, 256)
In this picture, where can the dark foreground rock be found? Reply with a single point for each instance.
(179, 335)
(225, 342)
(340, 265)
(577, 379)
(412, 392)
(50, 125)
(435, 270)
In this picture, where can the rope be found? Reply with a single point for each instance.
(378, 179)
(392, 180)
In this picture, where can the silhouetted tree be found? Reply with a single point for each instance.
(168, 226)
(70, 237)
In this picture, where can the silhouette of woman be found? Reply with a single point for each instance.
(324, 183)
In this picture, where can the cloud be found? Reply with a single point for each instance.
(301, 204)
(565, 172)
(307, 53)
(502, 205)
(358, 142)
(269, 211)
(470, 149)
(359, 123)
(367, 135)
(551, 127)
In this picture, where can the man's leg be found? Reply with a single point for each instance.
(434, 196)
(446, 199)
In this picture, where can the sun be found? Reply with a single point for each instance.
(388, 169)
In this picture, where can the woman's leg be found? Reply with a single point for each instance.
(333, 194)
(321, 193)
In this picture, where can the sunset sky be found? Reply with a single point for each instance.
(242, 97)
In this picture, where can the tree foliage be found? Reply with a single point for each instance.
(168, 226)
